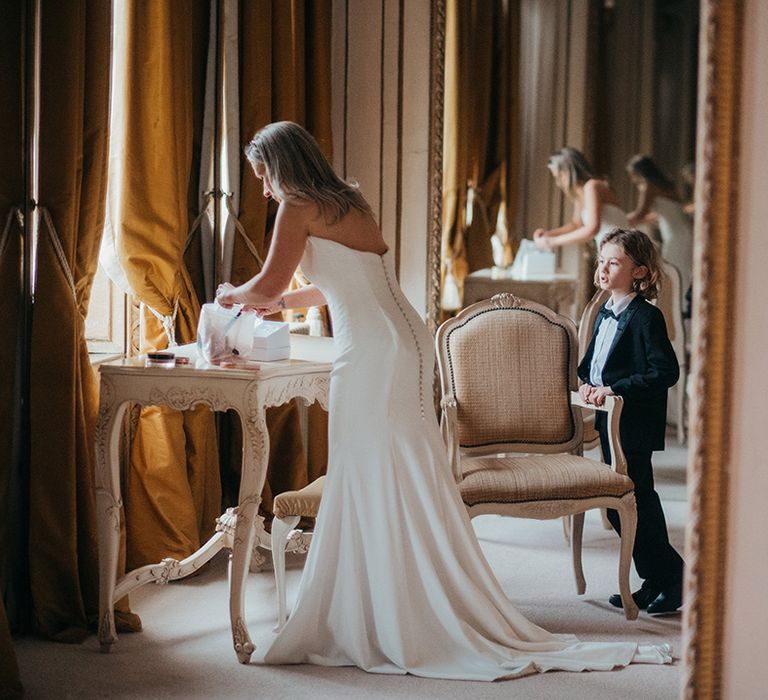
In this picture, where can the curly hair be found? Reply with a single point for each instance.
(641, 249)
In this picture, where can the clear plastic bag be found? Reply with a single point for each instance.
(224, 335)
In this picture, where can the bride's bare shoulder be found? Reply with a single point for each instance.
(298, 213)
(356, 229)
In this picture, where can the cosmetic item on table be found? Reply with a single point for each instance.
(160, 359)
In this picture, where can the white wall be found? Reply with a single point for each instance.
(381, 140)
(746, 620)
(415, 219)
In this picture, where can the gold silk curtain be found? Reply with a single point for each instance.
(285, 73)
(173, 493)
(174, 486)
(480, 145)
(73, 147)
(11, 197)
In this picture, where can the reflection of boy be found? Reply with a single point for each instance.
(630, 355)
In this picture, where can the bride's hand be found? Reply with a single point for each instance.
(262, 311)
(224, 295)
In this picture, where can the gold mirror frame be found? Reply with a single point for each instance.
(716, 185)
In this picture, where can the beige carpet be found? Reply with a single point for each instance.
(185, 648)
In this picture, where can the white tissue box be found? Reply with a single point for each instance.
(538, 263)
(271, 341)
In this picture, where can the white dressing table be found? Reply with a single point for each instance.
(249, 392)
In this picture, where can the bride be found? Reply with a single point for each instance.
(395, 581)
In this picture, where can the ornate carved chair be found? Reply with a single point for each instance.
(289, 507)
(586, 324)
(512, 423)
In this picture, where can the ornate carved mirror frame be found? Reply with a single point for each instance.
(716, 175)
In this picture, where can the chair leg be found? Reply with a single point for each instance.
(604, 517)
(577, 530)
(567, 528)
(280, 531)
(628, 519)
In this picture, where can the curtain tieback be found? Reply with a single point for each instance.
(168, 321)
(59, 250)
(13, 212)
(231, 211)
(196, 224)
(241, 230)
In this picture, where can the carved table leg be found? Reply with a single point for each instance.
(255, 458)
(108, 504)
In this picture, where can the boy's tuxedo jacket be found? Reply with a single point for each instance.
(641, 366)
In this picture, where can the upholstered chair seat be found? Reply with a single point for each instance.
(303, 503)
(533, 479)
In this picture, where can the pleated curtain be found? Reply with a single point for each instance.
(73, 146)
(173, 489)
(481, 142)
(172, 510)
(11, 198)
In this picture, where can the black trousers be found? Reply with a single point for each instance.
(656, 560)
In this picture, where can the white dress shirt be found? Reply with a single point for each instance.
(606, 332)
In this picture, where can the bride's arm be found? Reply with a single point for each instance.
(572, 225)
(297, 299)
(304, 297)
(590, 221)
(644, 206)
(288, 240)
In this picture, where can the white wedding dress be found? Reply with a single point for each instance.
(676, 237)
(395, 581)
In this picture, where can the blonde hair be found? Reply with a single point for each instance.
(575, 166)
(640, 248)
(298, 170)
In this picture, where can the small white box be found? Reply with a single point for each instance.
(539, 263)
(271, 341)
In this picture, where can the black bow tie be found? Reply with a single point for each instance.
(607, 313)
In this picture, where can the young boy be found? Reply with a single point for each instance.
(630, 356)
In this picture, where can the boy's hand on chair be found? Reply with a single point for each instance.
(598, 394)
(585, 391)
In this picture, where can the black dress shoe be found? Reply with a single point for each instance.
(642, 597)
(667, 601)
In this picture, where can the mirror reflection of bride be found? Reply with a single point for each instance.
(524, 79)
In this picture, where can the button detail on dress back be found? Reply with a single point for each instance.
(413, 334)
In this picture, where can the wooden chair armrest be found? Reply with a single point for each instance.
(448, 421)
(612, 407)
